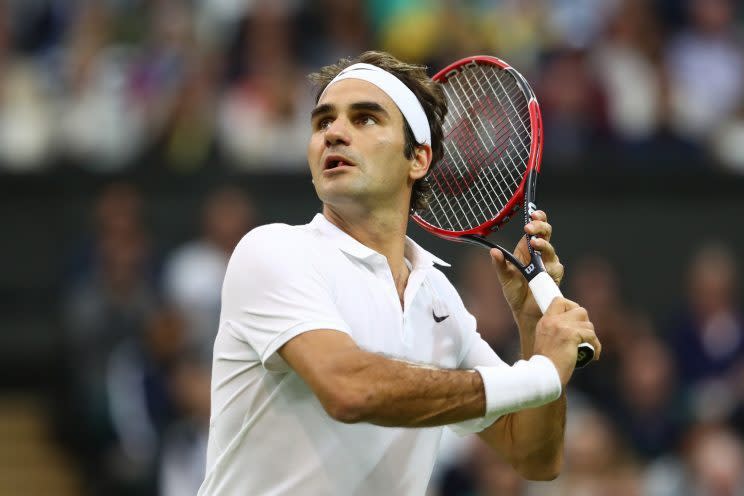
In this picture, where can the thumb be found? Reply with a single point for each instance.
(560, 305)
(501, 264)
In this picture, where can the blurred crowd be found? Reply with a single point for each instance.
(133, 398)
(662, 414)
(108, 84)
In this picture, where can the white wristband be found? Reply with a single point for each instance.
(526, 384)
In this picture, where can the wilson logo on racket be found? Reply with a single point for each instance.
(470, 149)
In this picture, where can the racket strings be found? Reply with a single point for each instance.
(506, 129)
(487, 144)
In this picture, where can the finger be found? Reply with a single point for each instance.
(520, 251)
(503, 268)
(539, 215)
(578, 313)
(544, 247)
(588, 336)
(560, 305)
(539, 228)
(497, 257)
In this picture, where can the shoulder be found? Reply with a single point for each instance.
(274, 240)
(275, 233)
(442, 285)
(275, 251)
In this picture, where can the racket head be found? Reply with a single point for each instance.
(492, 140)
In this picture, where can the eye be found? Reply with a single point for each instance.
(323, 123)
(366, 120)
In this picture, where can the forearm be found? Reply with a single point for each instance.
(526, 326)
(532, 439)
(375, 389)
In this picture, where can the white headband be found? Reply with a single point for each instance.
(403, 97)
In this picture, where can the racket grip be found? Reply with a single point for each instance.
(544, 289)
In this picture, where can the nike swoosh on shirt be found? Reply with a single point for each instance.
(438, 319)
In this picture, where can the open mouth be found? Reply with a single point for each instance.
(334, 162)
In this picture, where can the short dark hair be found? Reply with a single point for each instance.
(429, 94)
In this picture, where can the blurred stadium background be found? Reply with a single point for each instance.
(140, 139)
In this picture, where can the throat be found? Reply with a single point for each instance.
(401, 282)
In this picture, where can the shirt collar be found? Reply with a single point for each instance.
(418, 257)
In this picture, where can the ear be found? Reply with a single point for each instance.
(420, 163)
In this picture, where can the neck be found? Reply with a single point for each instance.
(383, 231)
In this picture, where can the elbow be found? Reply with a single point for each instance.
(345, 407)
(541, 470)
(541, 475)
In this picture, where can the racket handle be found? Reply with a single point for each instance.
(544, 289)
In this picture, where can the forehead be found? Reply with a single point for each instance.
(348, 91)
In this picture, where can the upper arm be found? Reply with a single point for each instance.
(273, 292)
(324, 359)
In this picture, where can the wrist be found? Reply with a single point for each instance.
(526, 384)
(527, 314)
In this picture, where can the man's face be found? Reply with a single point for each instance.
(356, 148)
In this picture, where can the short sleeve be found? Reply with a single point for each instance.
(273, 291)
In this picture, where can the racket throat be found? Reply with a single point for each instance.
(485, 243)
(529, 271)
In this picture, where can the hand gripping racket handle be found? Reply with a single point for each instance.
(544, 289)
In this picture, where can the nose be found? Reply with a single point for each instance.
(337, 132)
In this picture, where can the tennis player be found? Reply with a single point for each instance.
(342, 350)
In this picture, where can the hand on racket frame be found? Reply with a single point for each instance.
(492, 155)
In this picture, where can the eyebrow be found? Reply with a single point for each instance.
(327, 108)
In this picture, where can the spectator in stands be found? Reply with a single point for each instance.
(573, 106)
(107, 303)
(480, 471)
(594, 281)
(707, 333)
(188, 137)
(262, 119)
(332, 29)
(709, 46)
(184, 454)
(649, 411)
(113, 292)
(26, 129)
(193, 273)
(627, 60)
(715, 460)
(98, 127)
(728, 142)
(598, 463)
(166, 83)
(140, 403)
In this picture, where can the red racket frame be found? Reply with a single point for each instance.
(534, 161)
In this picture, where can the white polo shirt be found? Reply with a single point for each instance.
(269, 434)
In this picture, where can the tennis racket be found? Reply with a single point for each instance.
(492, 152)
